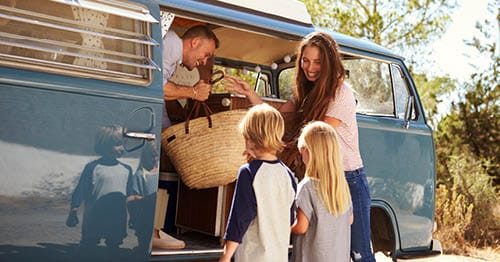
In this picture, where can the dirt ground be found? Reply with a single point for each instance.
(477, 256)
(18, 226)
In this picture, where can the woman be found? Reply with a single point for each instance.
(322, 94)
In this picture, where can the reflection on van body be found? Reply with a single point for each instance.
(69, 68)
(51, 105)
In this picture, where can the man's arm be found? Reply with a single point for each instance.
(199, 92)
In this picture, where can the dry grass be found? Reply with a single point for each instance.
(488, 254)
(467, 208)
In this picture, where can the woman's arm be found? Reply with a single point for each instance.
(334, 122)
(287, 107)
(241, 87)
(302, 224)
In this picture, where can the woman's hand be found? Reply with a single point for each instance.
(234, 84)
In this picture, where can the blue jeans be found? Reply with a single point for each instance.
(360, 229)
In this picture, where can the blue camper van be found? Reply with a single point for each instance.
(81, 97)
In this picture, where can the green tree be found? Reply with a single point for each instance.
(480, 110)
(431, 90)
(468, 150)
(475, 119)
(399, 25)
(407, 27)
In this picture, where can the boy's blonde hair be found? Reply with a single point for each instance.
(325, 165)
(264, 126)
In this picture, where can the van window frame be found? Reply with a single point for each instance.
(391, 82)
(126, 59)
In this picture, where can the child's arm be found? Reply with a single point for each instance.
(243, 212)
(80, 193)
(229, 249)
(302, 223)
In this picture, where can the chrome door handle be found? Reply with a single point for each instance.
(147, 136)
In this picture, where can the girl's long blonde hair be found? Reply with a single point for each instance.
(325, 165)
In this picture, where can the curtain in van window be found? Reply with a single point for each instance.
(94, 19)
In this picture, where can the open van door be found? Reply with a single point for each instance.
(68, 71)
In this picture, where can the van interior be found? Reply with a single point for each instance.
(200, 215)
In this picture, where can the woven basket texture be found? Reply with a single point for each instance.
(207, 157)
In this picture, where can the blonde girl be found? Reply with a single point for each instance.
(324, 207)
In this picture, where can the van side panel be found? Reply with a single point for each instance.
(47, 138)
(48, 129)
(399, 168)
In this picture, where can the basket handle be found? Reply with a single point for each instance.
(216, 77)
(196, 110)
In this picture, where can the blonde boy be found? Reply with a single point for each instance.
(262, 211)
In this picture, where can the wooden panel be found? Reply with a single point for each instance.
(241, 102)
(229, 191)
(225, 101)
(161, 207)
(197, 209)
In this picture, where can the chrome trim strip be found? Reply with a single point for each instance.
(124, 9)
(69, 45)
(68, 21)
(63, 52)
(64, 65)
(159, 252)
(76, 30)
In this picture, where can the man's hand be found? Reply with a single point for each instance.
(201, 91)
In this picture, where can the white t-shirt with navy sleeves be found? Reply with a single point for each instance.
(262, 211)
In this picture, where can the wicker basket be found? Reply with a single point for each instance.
(206, 156)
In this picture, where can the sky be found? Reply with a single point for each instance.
(452, 56)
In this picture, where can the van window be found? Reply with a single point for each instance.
(103, 40)
(401, 92)
(370, 80)
(286, 83)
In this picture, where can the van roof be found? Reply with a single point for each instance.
(290, 23)
(288, 19)
(349, 42)
(289, 9)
